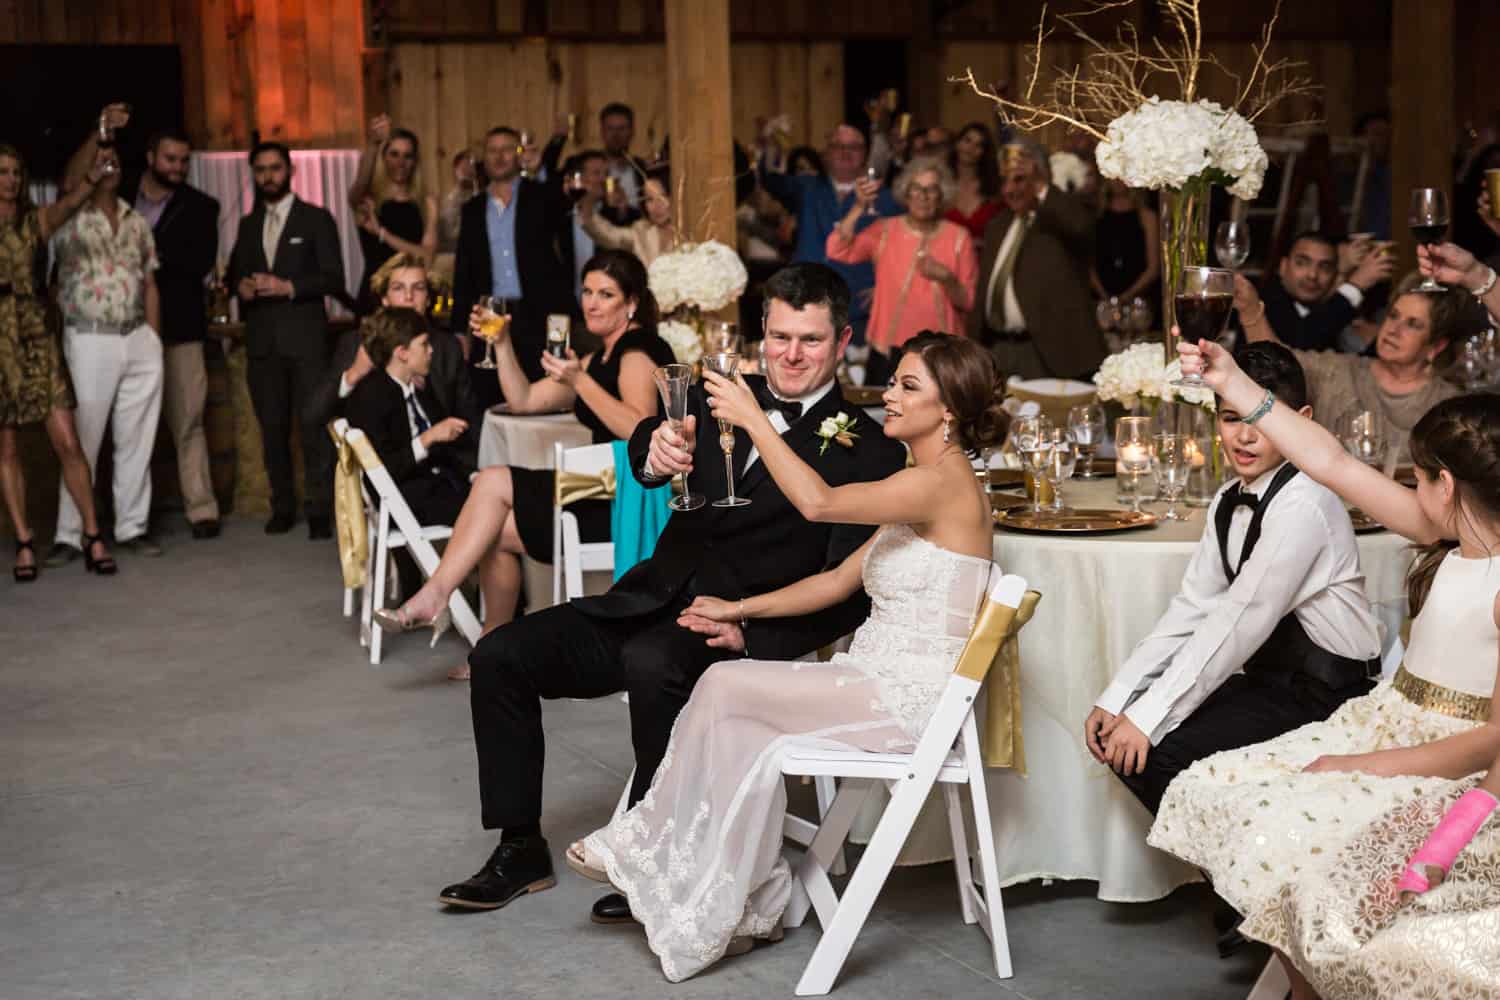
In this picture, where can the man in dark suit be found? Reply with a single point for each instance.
(631, 638)
(401, 283)
(429, 452)
(185, 224)
(285, 260)
(1033, 308)
(1302, 305)
(508, 247)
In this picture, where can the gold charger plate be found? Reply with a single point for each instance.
(864, 395)
(1002, 479)
(1081, 521)
(1363, 523)
(1008, 501)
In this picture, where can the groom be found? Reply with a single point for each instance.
(634, 638)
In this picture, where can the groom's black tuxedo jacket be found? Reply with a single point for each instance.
(741, 551)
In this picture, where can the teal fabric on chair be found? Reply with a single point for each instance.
(637, 516)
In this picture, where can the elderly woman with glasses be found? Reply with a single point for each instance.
(925, 267)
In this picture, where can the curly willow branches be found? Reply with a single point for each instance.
(1116, 77)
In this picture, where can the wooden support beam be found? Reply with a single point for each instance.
(1422, 108)
(699, 116)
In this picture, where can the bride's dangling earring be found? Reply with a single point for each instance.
(947, 428)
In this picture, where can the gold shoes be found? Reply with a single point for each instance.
(396, 620)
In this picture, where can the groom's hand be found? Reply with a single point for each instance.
(721, 635)
(671, 451)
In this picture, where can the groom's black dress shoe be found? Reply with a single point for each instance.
(514, 869)
(611, 909)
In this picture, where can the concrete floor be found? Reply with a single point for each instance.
(206, 792)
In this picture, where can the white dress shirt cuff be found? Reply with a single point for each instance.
(418, 449)
(344, 387)
(1115, 697)
(1148, 714)
(649, 472)
(1351, 292)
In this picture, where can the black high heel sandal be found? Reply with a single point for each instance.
(25, 574)
(105, 566)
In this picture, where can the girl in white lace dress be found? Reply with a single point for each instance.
(1307, 835)
(699, 858)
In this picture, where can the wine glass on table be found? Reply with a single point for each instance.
(1133, 454)
(1428, 221)
(1363, 436)
(1030, 436)
(1086, 423)
(494, 318)
(1062, 457)
(1172, 460)
(673, 382)
(1203, 298)
(726, 364)
(1232, 244)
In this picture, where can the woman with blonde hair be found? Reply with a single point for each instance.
(391, 204)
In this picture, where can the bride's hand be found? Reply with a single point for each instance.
(733, 401)
(714, 609)
(1206, 358)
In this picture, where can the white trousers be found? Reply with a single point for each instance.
(116, 379)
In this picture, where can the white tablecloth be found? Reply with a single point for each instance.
(526, 443)
(1070, 817)
(320, 177)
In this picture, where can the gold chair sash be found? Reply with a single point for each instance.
(349, 515)
(572, 487)
(1001, 740)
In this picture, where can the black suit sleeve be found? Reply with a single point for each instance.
(552, 160)
(378, 410)
(328, 279)
(239, 258)
(788, 638)
(470, 264)
(1069, 218)
(449, 370)
(323, 404)
(202, 247)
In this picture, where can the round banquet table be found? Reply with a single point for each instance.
(525, 441)
(1069, 817)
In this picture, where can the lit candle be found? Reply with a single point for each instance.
(1194, 454)
(1134, 456)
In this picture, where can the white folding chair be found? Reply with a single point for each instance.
(395, 526)
(948, 753)
(571, 557)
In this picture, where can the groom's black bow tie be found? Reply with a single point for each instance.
(768, 401)
(1235, 497)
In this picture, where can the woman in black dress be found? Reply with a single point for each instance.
(1127, 247)
(394, 212)
(509, 510)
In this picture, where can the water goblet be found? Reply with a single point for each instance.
(1062, 456)
(1171, 459)
(1232, 244)
(1133, 455)
(726, 364)
(673, 382)
(1086, 422)
(1363, 436)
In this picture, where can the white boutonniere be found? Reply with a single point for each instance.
(837, 428)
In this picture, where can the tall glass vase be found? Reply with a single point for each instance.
(1184, 243)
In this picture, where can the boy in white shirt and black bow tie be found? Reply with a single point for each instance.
(1271, 629)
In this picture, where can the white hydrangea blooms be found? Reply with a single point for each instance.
(1203, 397)
(1167, 144)
(684, 341)
(1132, 373)
(706, 275)
(1069, 171)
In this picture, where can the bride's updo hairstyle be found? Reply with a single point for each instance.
(1461, 435)
(968, 384)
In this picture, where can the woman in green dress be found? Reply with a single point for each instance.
(34, 386)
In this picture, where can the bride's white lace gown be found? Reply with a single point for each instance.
(699, 857)
(1311, 860)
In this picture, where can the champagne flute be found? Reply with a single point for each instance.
(873, 176)
(1428, 221)
(673, 382)
(1133, 454)
(1171, 459)
(1204, 296)
(494, 317)
(1086, 422)
(726, 364)
(1062, 456)
(1232, 244)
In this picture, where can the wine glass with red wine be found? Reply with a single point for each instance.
(1204, 297)
(1428, 221)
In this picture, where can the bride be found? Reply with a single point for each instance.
(699, 857)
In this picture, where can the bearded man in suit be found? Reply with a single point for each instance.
(1033, 308)
(285, 260)
(636, 637)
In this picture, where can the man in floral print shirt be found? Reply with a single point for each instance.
(111, 313)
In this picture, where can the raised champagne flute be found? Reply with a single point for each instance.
(494, 317)
(873, 176)
(726, 364)
(1428, 221)
(1204, 296)
(673, 382)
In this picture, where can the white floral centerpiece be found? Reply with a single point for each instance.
(1176, 145)
(685, 341)
(693, 279)
(1069, 171)
(1139, 376)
